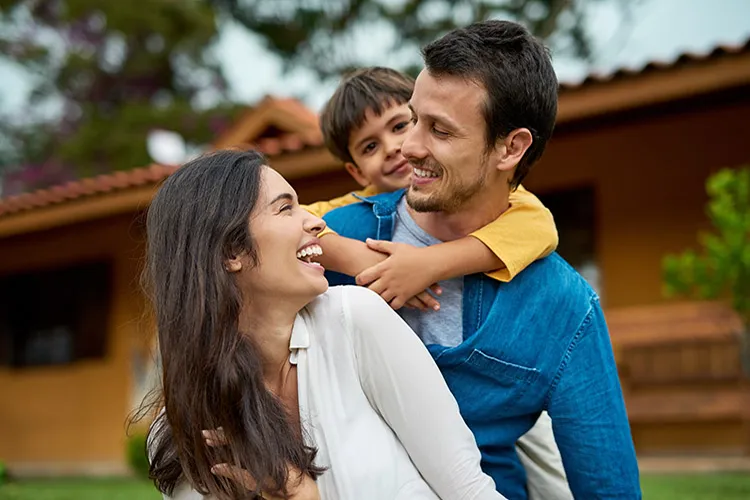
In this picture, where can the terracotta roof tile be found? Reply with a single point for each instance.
(290, 143)
(682, 59)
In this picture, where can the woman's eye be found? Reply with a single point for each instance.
(285, 208)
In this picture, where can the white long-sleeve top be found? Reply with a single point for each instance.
(374, 403)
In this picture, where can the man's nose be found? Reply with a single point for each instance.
(413, 146)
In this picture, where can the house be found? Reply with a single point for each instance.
(624, 176)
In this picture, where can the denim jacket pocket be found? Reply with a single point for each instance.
(513, 376)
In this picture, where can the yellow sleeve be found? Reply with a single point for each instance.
(522, 234)
(320, 208)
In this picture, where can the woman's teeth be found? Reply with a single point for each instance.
(308, 252)
(424, 173)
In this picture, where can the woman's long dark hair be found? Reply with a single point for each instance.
(211, 373)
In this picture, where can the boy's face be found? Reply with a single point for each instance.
(376, 149)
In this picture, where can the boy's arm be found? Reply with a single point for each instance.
(589, 419)
(320, 208)
(522, 234)
(351, 257)
(346, 255)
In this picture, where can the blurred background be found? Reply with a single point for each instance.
(647, 175)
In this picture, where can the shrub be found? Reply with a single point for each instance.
(137, 458)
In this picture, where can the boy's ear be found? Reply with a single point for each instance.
(355, 172)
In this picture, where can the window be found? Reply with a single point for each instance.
(575, 217)
(53, 317)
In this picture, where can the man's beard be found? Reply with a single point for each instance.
(448, 198)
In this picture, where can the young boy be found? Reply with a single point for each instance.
(364, 124)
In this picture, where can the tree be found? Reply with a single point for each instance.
(722, 268)
(319, 34)
(105, 72)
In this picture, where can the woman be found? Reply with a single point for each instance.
(318, 392)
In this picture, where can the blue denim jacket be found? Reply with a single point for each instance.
(537, 343)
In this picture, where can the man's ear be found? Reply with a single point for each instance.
(355, 172)
(512, 148)
(233, 265)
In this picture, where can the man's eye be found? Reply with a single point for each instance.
(438, 132)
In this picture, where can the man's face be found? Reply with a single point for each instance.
(376, 149)
(446, 147)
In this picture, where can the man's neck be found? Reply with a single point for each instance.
(475, 214)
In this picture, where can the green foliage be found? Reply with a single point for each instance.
(318, 35)
(136, 454)
(722, 267)
(3, 473)
(113, 71)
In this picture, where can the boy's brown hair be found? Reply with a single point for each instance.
(374, 88)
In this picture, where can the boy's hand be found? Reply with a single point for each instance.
(401, 279)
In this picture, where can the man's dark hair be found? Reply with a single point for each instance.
(374, 88)
(516, 71)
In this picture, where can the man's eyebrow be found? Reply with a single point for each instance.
(282, 196)
(438, 118)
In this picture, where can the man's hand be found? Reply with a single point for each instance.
(403, 278)
(300, 486)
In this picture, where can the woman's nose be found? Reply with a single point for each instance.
(314, 225)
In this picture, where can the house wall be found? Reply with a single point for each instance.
(71, 418)
(648, 171)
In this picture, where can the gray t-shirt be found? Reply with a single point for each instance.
(443, 327)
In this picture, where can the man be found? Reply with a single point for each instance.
(483, 109)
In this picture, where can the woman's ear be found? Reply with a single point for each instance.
(233, 265)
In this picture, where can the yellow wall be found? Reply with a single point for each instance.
(649, 173)
(71, 418)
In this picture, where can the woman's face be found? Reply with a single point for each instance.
(285, 238)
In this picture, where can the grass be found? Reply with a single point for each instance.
(79, 489)
(725, 486)
(655, 487)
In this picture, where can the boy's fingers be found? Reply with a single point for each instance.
(415, 303)
(369, 275)
(429, 301)
(380, 245)
(397, 303)
(377, 287)
(437, 289)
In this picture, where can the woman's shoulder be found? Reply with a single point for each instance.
(345, 305)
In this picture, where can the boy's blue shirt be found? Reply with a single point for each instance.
(538, 342)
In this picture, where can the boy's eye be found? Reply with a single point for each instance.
(400, 126)
(369, 147)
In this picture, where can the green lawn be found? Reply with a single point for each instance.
(80, 489)
(655, 487)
